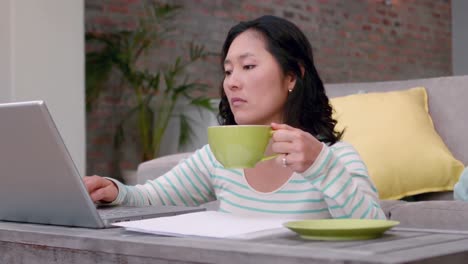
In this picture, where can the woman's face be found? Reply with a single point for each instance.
(254, 83)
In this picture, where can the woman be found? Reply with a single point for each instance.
(270, 79)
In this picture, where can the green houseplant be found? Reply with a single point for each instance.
(120, 52)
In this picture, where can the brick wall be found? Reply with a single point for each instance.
(356, 40)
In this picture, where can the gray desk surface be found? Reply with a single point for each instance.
(28, 243)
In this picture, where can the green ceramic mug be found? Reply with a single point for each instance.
(239, 146)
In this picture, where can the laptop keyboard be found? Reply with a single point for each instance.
(112, 212)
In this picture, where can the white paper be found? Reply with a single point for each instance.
(208, 224)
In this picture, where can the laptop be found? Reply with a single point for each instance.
(39, 183)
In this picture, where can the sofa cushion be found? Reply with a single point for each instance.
(154, 168)
(431, 214)
(447, 104)
(388, 205)
(396, 138)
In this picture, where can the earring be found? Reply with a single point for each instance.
(290, 90)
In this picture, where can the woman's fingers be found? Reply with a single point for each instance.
(281, 160)
(97, 195)
(282, 147)
(283, 132)
(100, 189)
(92, 183)
(105, 194)
(298, 148)
(293, 161)
(277, 126)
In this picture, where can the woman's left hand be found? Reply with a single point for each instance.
(298, 149)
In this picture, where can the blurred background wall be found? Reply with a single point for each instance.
(42, 58)
(353, 41)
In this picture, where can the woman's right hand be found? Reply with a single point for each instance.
(101, 189)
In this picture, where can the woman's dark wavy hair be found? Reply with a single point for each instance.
(307, 106)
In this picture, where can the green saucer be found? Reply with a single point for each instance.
(340, 229)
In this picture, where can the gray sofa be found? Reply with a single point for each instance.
(448, 98)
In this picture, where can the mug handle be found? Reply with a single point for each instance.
(272, 156)
(269, 157)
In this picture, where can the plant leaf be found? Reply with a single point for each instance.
(203, 102)
(123, 50)
(98, 67)
(119, 136)
(186, 131)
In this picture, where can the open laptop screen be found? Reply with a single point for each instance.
(39, 182)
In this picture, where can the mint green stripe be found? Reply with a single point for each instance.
(267, 201)
(332, 166)
(299, 181)
(273, 211)
(334, 180)
(357, 206)
(233, 171)
(353, 210)
(185, 188)
(238, 173)
(375, 204)
(224, 211)
(366, 178)
(353, 194)
(157, 192)
(215, 164)
(167, 194)
(211, 158)
(176, 191)
(193, 184)
(327, 159)
(343, 188)
(346, 201)
(321, 178)
(230, 181)
(359, 176)
(196, 175)
(361, 169)
(323, 164)
(141, 195)
(346, 154)
(364, 215)
(131, 197)
(354, 161)
(150, 197)
(341, 217)
(379, 210)
(206, 168)
(122, 196)
(313, 189)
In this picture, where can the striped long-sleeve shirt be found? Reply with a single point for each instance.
(336, 185)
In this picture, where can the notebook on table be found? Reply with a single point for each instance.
(39, 182)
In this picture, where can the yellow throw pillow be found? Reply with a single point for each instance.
(394, 134)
